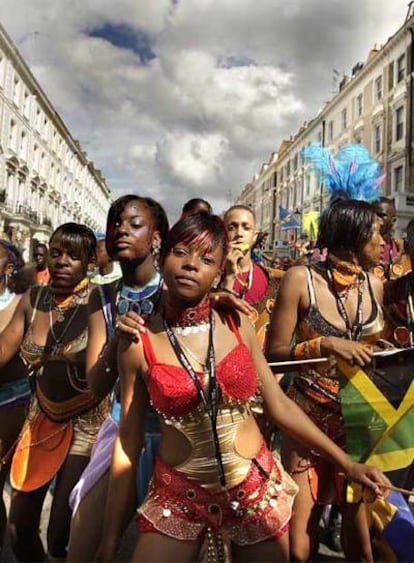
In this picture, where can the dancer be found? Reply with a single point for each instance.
(333, 309)
(50, 328)
(136, 228)
(203, 372)
(14, 380)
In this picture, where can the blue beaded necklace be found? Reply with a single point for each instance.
(142, 301)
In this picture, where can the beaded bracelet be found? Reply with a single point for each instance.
(307, 349)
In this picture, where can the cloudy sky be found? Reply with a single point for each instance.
(183, 98)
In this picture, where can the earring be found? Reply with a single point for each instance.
(155, 250)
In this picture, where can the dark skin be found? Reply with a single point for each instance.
(11, 417)
(291, 306)
(133, 237)
(190, 273)
(68, 267)
(40, 256)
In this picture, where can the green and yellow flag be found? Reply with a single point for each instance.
(377, 407)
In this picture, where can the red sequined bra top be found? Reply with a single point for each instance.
(173, 393)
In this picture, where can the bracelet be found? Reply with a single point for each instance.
(102, 356)
(308, 349)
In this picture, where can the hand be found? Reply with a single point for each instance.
(130, 326)
(237, 251)
(370, 477)
(348, 350)
(224, 299)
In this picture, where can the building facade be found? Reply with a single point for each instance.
(374, 106)
(45, 177)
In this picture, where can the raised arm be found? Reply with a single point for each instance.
(101, 355)
(12, 335)
(291, 419)
(122, 495)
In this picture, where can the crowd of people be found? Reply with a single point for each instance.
(135, 378)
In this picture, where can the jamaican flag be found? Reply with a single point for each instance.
(378, 411)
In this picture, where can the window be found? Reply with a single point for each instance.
(399, 123)
(16, 90)
(45, 128)
(344, 119)
(330, 131)
(377, 138)
(288, 169)
(36, 158)
(13, 135)
(378, 89)
(398, 179)
(26, 104)
(358, 105)
(295, 162)
(400, 68)
(391, 75)
(23, 145)
(38, 119)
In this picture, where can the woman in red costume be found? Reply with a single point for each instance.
(203, 372)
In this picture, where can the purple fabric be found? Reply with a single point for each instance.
(99, 463)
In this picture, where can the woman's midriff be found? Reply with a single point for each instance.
(61, 381)
(188, 446)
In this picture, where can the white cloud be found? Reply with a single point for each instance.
(229, 81)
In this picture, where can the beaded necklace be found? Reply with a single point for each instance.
(62, 303)
(189, 321)
(141, 300)
(346, 276)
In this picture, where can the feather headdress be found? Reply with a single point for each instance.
(351, 173)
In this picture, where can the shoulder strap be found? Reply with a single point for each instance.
(41, 290)
(104, 294)
(311, 288)
(148, 349)
(232, 324)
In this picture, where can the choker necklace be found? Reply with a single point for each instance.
(189, 321)
(62, 303)
(6, 298)
(346, 276)
(141, 300)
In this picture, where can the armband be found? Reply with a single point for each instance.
(308, 349)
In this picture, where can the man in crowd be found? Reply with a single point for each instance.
(40, 257)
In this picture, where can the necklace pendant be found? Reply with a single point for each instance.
(61, 317)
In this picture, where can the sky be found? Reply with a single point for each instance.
(175, 99)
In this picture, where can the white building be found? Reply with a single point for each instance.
(45, 177)
(374, 106)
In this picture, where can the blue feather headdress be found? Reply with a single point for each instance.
(351, 174)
